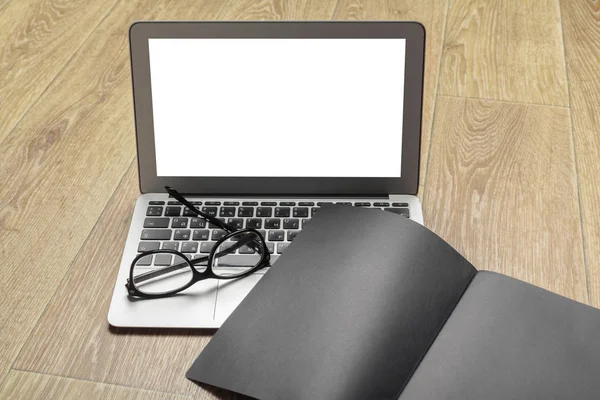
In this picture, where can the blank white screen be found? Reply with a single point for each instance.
(278, 107)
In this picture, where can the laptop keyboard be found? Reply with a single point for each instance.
(170, 225)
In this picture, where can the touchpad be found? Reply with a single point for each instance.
(193, 308)
(231, 292)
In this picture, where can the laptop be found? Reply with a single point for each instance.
(261, 123)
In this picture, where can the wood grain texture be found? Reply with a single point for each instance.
(32, 386)
(258, 10)
(4, 4)
(581, 24)
(502, 190)
(505, 50)
(63, 161)
(432, 14)
(36, 40)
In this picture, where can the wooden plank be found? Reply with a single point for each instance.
(505, 50)
(502, 190)
(432, 14)
(38, 38)
(31, 386)
(581, 24)
(63, 161)
(257, 10)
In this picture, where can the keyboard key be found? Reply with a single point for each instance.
(237, 223)
(173, 211)
(212, 211)
(322, 203)
(212, 203)
(264, 211)
(198, 223)
(201, 234)
(305, 221)
(313, 211)
(291, 235)
(282, 212)
(281, 247)
(381, 204)
(214, 226)
(268, 203)
(154, 211)
(291, 223)
(170, 245)
(156, 223)
(189, 247)
(272, 223)
(179, 223)
(205, 247)
(300, 212)
(146, 260)
(400, 204)
(182, 234)
(174, 203)
(227, 212)
(254, 223)
(162, 260)
(196, 203)
(287, 203)
(217, 234)
(246, 212)
(401, 211)
(156, 234)
(306, 203)
(227, 245)
(147, 246)
(246, 250)
(263, 233)
(344, 203)
(270, 246)
(276, 236)
(156, 203)
(250, 203)
(189, 213)
(362, 204)
(232, 203)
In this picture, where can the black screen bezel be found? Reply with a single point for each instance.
(413, 32)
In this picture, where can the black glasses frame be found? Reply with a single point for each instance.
(197, 276)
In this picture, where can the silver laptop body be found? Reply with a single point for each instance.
(260, 123)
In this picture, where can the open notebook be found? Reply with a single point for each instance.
(366, 304)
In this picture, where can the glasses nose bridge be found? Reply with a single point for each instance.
(249, 250)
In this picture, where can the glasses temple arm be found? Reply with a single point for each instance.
(175, 194)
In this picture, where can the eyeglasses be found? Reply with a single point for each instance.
(163, 273)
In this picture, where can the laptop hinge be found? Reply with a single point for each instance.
(298, 196)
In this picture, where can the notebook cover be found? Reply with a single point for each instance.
(346, 313)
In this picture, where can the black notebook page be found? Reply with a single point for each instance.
(507, 339)
(348, 311)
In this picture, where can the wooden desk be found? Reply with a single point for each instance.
(509, 168)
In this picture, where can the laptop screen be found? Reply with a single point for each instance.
(277, 107)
